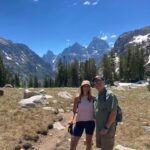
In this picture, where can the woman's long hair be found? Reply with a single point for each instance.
(89, 94)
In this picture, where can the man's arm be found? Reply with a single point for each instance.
(112, 116)
(111, 119)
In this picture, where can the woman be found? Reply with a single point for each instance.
(83, 117)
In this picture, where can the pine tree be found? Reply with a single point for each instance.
(2, 72)
(75, 73)
(46, 84)
(107, 70)
(31, 83)
(61, 75)
(17, 80)
(36, 84)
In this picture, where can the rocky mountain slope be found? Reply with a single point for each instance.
(96, 49)
(19, 58)
(140, 37)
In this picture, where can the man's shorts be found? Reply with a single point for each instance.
(106, 142)
(79, 127)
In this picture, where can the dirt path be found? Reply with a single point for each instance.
(59, 139)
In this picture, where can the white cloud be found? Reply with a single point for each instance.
(113, 36)
(35, 0)
(90, 2)
(105, 37)
(87, 3)
(95, 2)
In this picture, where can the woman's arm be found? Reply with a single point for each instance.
(75, 106)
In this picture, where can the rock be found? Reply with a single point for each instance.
(65, 95)
(120, 147)
(48, 96)
(28, 93)
(18, 147)
(58, 118)
(52, 109)
(146, 128)
(34, 138)
(61, 110)
(33, 101)
(42, 91)
(8, 86)
(27, 146)
(1, 92)
(58, 125)
(54, 101)
(42, 132)
(50, 126)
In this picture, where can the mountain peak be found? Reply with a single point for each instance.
(5, 41)
(76, 44)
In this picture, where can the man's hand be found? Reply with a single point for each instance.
(103, 131)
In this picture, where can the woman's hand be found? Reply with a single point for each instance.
(103, 131)
(70, 122)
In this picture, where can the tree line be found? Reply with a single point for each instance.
(67, 75)
(127, 67)
(7, 77)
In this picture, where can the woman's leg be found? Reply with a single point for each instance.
(89, 142)
(74, 142)
(89, 129)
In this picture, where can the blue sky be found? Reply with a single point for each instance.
(55, 24)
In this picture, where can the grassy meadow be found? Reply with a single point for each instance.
(17, 122)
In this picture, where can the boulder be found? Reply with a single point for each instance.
(42, 132)
(8, 86)
(65, 95)
(28, 93)
(1, 92)
(58, 125)
(33, 101)
(27, 146)
(61, 110)
(146, 128)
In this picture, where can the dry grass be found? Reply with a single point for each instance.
(136, 108)
(16, 121)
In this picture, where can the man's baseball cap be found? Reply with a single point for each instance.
(100, 78)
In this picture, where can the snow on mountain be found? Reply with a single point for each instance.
(148, 61)
(140, 38)
(96, 49)
(19, 58)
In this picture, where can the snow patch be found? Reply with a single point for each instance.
(17, 63)
(148, 60)
(8, 58)
(95, 51)
(140, 38)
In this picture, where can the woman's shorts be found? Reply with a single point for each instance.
(79, 127)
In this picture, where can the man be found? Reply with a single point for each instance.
(105, 107)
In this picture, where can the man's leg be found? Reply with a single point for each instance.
(98, 140)
(108, 140)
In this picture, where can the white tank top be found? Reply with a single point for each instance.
(85, 110)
